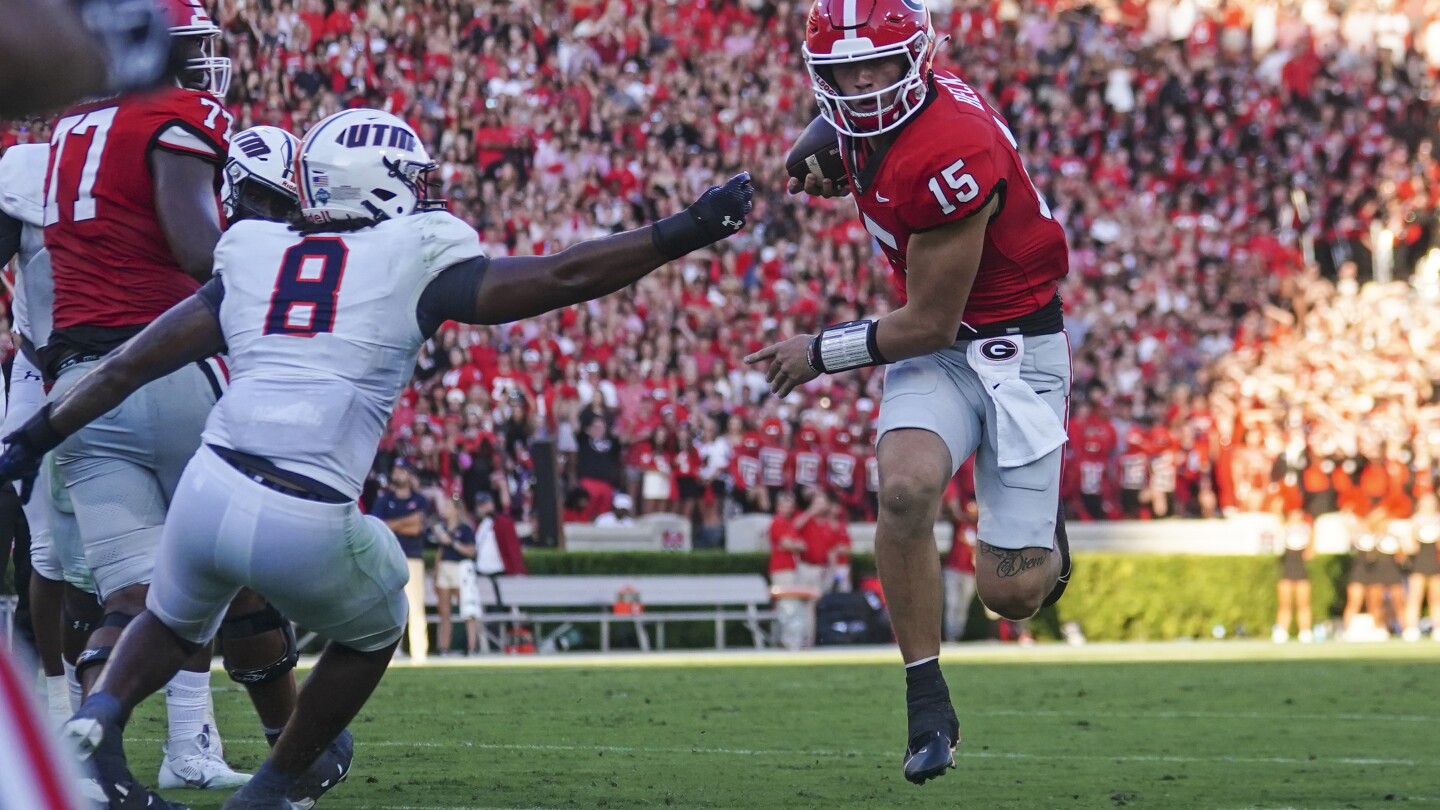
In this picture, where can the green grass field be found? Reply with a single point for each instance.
(1205, 725)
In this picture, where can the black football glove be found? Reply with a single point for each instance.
(719, 213)
(134, 38)
(25, 449)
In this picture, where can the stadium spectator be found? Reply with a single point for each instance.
(455, 565)
(620, 512)
(407, 513)
(1424, 553)
(1292, 590)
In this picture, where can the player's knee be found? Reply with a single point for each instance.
(1014, 604)
(1015, 598)
(905, 495)
(251, 666)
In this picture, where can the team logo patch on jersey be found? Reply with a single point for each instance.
(999, 349)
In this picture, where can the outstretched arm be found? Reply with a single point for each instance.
(189, 331)
(510, 288)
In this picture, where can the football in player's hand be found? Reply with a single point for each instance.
(817, 152)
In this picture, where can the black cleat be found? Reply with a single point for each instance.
(929, 756)
(1062, 543)
(934, 733)
(327, 771)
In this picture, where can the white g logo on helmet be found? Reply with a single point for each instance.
(362, 164)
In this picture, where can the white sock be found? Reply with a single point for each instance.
(922, 661)
(187, 702)
(216, 744)
(72, 682)
(57, 697)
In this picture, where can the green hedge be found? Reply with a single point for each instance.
(1112, 596)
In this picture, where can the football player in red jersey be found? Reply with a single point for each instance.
(131, 223)
(981, 361)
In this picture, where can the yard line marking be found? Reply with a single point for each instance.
(442, 807)
(758, 752)
(1398, 718)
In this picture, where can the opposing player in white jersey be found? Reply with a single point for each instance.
(258, 181)
(55, 553)
(322, 326)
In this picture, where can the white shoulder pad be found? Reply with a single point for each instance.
(445, 240)
(22, 182)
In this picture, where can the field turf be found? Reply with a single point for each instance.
(1203, 725)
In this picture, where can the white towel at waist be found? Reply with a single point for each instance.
(1026, 428)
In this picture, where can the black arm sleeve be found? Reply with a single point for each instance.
(451, 296)
(212, 294)
(9, 237)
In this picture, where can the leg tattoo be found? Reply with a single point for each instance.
(1013, 562)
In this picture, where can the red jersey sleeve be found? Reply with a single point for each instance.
(188, 122)
(954, 179)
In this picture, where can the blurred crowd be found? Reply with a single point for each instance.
(1247, 188)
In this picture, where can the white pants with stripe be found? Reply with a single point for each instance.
(326, 566)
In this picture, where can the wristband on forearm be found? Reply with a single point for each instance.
(845, 346)
(679, 234)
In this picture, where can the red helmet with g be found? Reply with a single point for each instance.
(841, 32)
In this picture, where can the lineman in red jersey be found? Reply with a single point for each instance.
(131, 222)
(981, 363)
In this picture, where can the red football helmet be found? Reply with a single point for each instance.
(846, 31)
(207, 71)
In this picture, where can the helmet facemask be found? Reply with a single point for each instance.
(250, 197)
(417, 176)
(203, 69)
(871, 113)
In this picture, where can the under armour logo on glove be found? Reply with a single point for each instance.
(732, 224)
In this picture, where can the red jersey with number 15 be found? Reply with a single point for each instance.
(113, 266)
(945, 164)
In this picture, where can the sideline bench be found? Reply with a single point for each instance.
(719, 598)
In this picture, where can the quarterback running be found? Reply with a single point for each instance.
(980, 363)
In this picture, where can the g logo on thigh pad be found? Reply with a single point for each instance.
(999, 349)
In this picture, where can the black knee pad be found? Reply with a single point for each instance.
(253, 624)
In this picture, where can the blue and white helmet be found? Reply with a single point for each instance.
(363, 164)
(259, 177)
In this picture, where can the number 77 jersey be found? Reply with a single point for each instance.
(947, 162)
(113, 266)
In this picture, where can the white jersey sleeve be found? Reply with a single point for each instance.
(22, 196)
(22, 182)
(447, 241)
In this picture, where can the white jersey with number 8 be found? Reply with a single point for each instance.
(322, 335)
